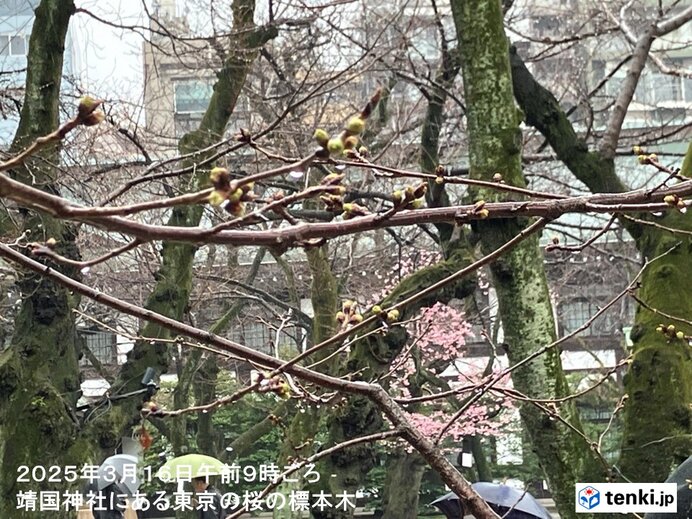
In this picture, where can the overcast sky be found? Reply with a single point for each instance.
(109, 60)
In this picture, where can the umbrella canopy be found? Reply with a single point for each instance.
(117, 470)
(501, 498)
(191, 466)
(681, 477)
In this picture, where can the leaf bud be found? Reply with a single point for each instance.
(355, 125)
(216, 198)
(670, 200)
(335, 146)
(322, 137)
(87, 105)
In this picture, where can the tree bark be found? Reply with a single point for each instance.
(402, 485)
(39, 372)
(518, 276)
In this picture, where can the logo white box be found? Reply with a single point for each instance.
(623, 498)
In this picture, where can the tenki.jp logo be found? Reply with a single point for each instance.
(589, 497)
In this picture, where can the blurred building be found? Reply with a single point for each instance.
(16, 21)
(179, 77)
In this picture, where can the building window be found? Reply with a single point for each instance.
(547, 26)
(260, 337)
(576, 313)
(101, 344)
(192, 95)
(595, 414)
(653, 87)
(185, 123)
(13, 45)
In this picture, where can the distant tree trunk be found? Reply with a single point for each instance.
(402, 485)
(324, 296)
(39, 372)
(484, 472)
(518, 276)
(657, 417)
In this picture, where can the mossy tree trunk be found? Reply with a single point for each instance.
(518, 276)
(402, 486)
(39, 371)
(657, 417)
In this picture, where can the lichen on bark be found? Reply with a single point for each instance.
(657, 417)
(39, 370)
(518, 276)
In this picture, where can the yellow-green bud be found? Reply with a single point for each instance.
(483, 213)
(643, 159)
(335, 146)
(217, 174)
(393, 315)
(680, 335)
(87, 105)
(671, 328)
(670, 200)
(377, 309)
(321, 136)
(637, 150)
(234, 198)
(216, 198)
(439, 181)
(355, 125)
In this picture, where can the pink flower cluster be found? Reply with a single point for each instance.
(441, 332)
